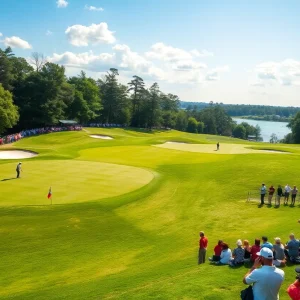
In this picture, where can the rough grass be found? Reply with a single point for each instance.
(141, 245)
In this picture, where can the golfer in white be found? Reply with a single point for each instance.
(19, 169)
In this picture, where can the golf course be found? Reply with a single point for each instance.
(127, 210)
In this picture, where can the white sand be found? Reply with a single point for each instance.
(170, 142)
(211, 148)
(16, 154)
(103, 137)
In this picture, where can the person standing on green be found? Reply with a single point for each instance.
(271, 193)
(19, 169)
(202, 248)
(263, 191)
(294, 192)
(278, 196)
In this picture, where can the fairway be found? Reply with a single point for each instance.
(209, 148)
(127, 212)
(71, 182)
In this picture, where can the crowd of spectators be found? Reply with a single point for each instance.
(279, 193)
(105, 125)
(36, 131)
(264, 257)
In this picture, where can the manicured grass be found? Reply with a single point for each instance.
(71, 182)
(102, 242)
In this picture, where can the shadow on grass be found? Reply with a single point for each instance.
(6, 179)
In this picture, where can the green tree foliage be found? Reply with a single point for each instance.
(192, 125)
(137, 87)
(237, 110)
(8, 111)
(181, 121)
(86, 98)
(6, 75)
(295, 127)
(153, 106)
(239, 132)
(40, 96)
(116, 107)
(273, 139)
(200, 127)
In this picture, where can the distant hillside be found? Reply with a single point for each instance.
(246, 109)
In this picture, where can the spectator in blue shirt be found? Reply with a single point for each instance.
(263, 191)
(292, 247)
(266, 243)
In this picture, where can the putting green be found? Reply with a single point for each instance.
(71, 181)
(211, 148)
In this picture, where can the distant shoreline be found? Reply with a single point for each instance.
(281, 120)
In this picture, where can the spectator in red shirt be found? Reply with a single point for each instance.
(271, 193)
(255, 249)
(202, 248)
(217, 250)
(294, 289)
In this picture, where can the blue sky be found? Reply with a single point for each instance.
(221, 51)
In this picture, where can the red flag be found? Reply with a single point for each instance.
(50, 193)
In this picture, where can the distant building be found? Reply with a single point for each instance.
(251, 138)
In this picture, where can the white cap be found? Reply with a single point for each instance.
(239, 243)
(266, 253)
(277, 239)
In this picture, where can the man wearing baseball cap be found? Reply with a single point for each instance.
(294, 289)
(267, 279)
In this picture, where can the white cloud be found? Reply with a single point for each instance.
(86, 60)
(16, 42)
(79, 35)
(163, 52)
(131, 60)
(49, 32)
(188, 65)
(93, 8)
(202, 53)
(1, 34)
(62, 3)
(285, 73)
(132, 63)
(214, 74)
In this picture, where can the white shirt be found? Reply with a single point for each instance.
(267, 281)
(225, 256)
(287, 188)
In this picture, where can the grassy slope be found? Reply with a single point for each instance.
(142, 245)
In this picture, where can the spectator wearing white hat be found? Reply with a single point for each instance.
(266, 280)
(238, 254)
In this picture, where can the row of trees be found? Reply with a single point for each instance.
(294, 136)
(40, 94)
(268, 112)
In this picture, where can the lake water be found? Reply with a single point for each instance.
(268, 127)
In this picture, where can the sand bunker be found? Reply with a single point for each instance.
(171, 142)
(16, 154)
(211, 148)
(103, 137)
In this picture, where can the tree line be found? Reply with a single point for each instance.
(39, 94)
(270, 113)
